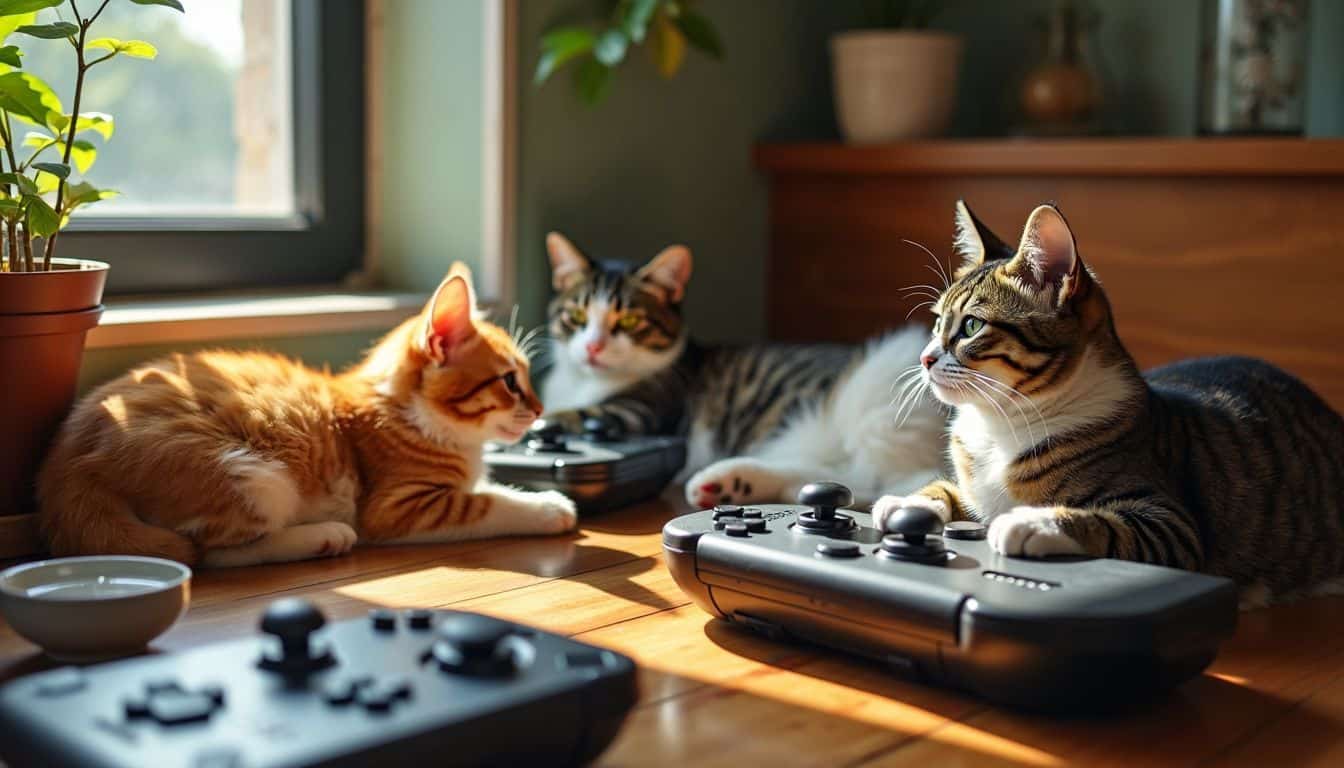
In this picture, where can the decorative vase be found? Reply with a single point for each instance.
(1062, 95)
(1254, 74)
(44, 317)
(893, 85)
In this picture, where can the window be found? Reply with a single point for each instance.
(239, 152)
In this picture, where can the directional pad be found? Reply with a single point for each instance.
(167, 702)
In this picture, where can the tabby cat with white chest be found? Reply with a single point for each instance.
(1227, 465)
(762, 420)
(229, 458)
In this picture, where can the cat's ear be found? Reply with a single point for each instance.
(975, 243)
(1047, 258)
(670, 270)
(448, 323)
(568, 265)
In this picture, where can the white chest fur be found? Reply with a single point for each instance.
(991, 455)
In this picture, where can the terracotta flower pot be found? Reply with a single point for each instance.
(894, 85)
(44, 317)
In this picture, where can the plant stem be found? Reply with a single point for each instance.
(11, 225)
(28, 246)
(50, 246)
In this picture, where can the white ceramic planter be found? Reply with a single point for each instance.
(892, 85)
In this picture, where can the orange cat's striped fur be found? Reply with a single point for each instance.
(228, 458)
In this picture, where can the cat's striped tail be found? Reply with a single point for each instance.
(78, 517)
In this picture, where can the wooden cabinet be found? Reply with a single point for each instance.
(1205, 246)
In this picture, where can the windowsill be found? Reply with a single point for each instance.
(132, 321)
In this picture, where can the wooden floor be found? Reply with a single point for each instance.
(712, 694)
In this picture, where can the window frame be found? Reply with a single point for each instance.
(322, 243)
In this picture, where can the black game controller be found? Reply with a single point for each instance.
(412, 688)
(935, 602)
(600, 469)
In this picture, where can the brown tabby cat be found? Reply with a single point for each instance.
(233, 458)
(1227, 465)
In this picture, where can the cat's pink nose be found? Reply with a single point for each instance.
(928, 360)
(595, 348)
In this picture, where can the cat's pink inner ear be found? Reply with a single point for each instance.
(1047, 248)
(568, 265)
(450, 323)
(670, 270)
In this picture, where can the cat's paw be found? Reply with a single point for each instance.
(332, 538)
(1031, 532)
(733, 481)
(886, 506)
(554, 511)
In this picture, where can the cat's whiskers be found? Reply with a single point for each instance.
(920, 306)
(988, 397)
(1010, 393)
(947, 280)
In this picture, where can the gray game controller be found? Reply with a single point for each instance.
(933, 601)
(415, 687)
(599, 469)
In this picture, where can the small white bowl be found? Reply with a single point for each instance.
(83, 609)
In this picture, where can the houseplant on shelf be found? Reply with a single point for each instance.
(47, 305)
(895, 78)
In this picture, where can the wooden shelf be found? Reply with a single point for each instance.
(1063, 157)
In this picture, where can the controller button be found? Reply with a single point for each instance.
(399, 686)
(752, 514)
(214, 692)
(376, 698)
(340, 691)
(966, 530)
(727, 510)
(179, 708)
(382, 619)
(163, 685)
(723, 522)
(420, 618)
(738, 529)
(582, 659)
(135, 707)
(839, 549)
(61, 682)
(756, 525)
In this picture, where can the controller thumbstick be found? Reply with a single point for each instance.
(825, 498)
(601, 429)
(546, 435)
(473, 644)
(292, 621)
(912, 535)
(914, 523)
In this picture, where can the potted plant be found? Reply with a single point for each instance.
(47, 304)
(894, 79)
(668, 26)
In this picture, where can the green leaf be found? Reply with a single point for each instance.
(56, 30)
(591, 81)
(15, 7)
(700, 33)
(59, 170)
(46, 183)
(82, 154)
(168, 3)
(637, 16)
(84, 193)
(43, 220)
(88, 121)
(25, 184)
(559, 46)
(667, 46)
(9, 208)
(10, 54)
(27, 97)
(611, 47)
(136, 48)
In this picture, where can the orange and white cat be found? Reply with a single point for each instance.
(227, 458)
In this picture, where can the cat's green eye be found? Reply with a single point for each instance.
(629, 321)
(971, 326)
(577, 316)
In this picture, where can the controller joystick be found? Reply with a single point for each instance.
(292, 621)
(824, 499)
(602, 430)
(546, 437)
(913, 534)
(474, 645)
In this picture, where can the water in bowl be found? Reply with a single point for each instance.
(94, 588)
